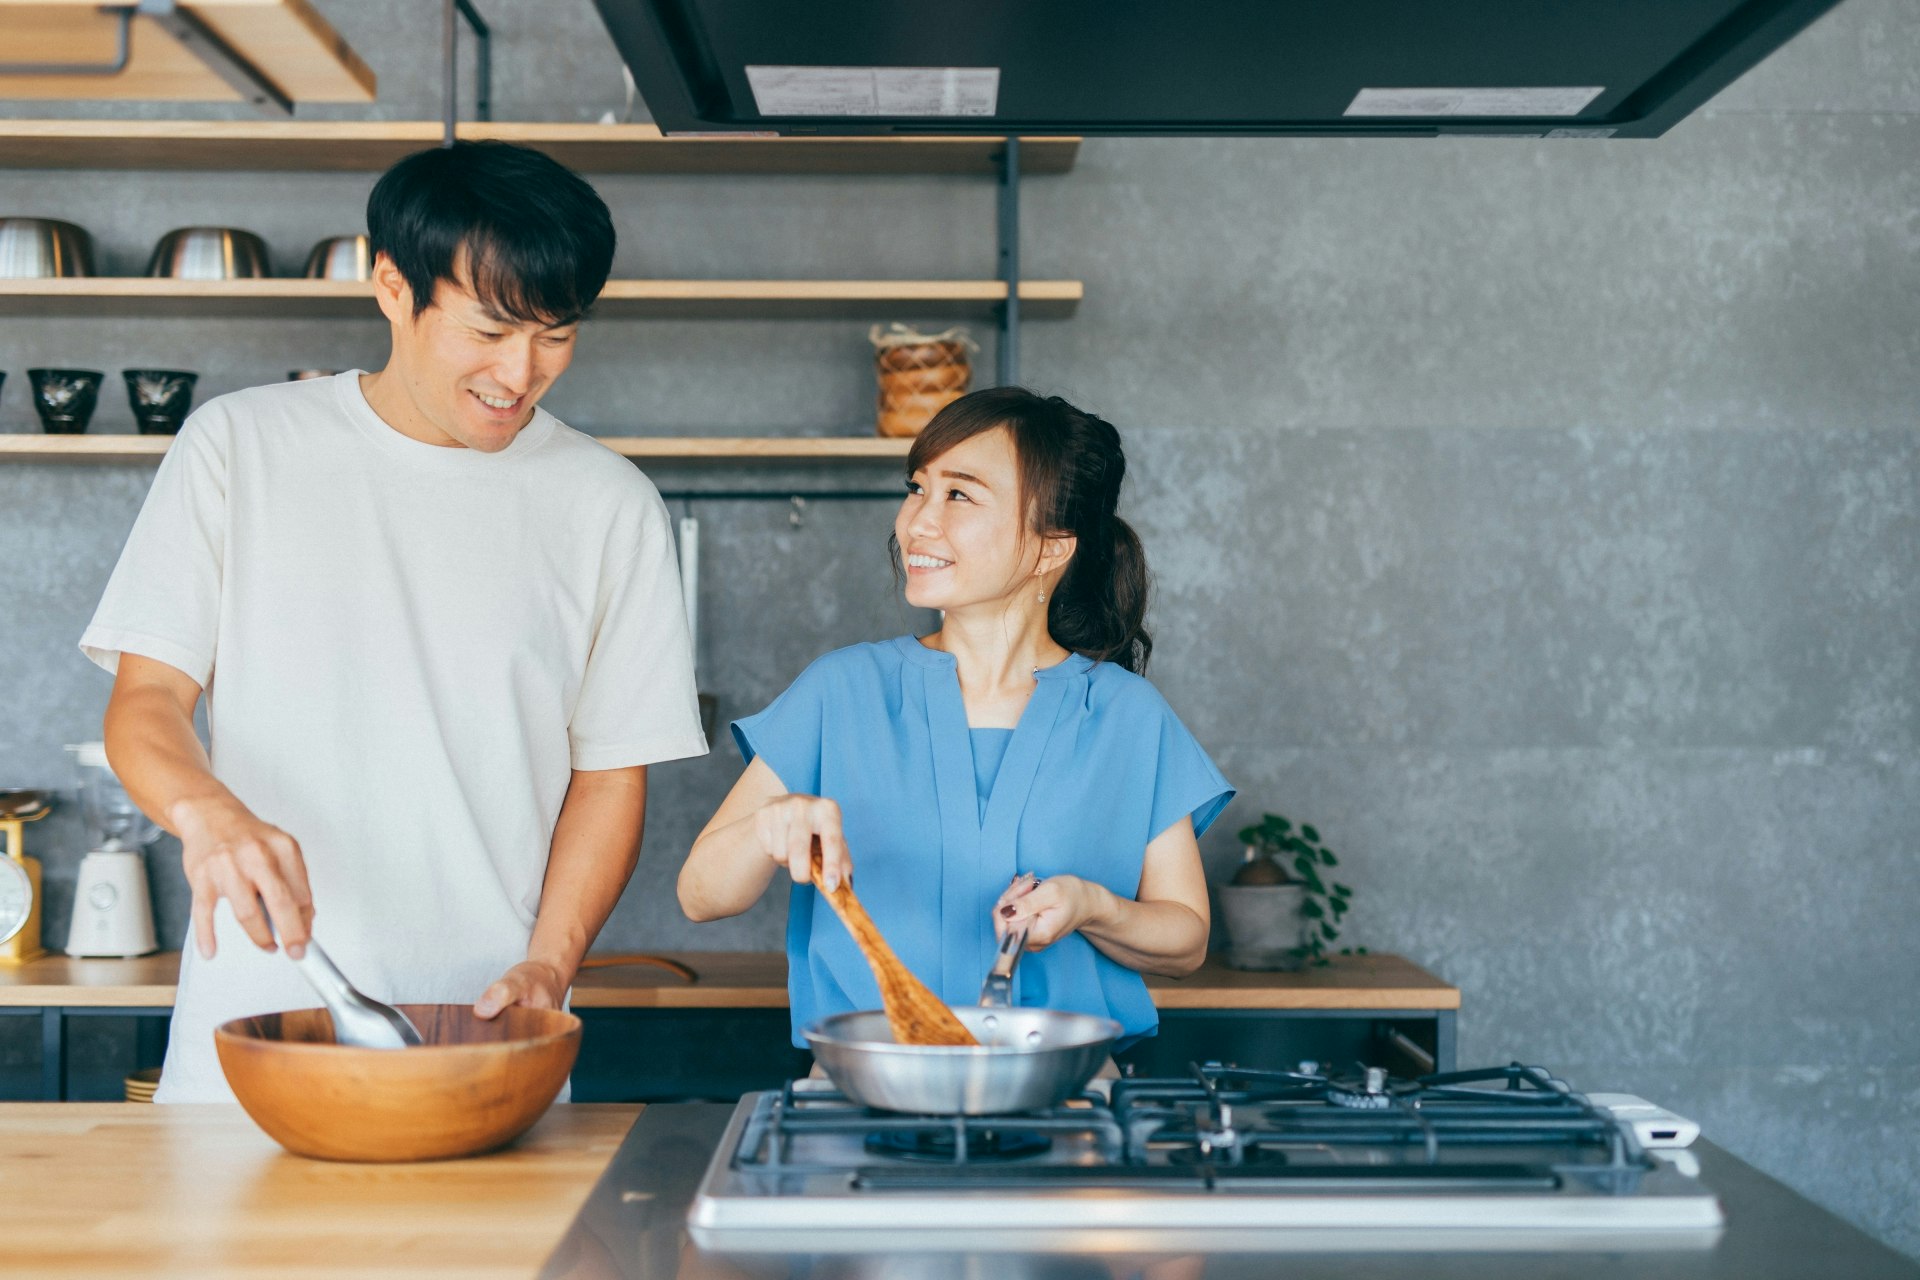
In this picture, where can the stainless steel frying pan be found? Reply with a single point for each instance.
(1026, 1059)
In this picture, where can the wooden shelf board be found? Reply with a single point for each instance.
(630, 299)
(372, 145)
(287, 41)
(758, 980)
(29, 447)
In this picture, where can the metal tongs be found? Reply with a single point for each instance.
(358, 1019)
(997, 991)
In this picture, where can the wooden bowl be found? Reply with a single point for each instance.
(474, 1085)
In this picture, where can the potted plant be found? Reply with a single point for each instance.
(1280, 912)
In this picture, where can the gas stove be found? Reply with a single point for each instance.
(1224, 1158)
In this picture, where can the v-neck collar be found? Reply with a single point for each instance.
(980, 854)
(914, 651)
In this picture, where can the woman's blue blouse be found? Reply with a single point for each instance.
(1098, 766)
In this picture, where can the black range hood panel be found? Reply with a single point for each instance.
(1581, 68)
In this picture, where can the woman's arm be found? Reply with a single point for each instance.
(759, 829)
(1162, 930)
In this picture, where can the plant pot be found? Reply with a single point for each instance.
(1263, 925)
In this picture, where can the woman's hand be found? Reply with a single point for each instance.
(786, 828)
(1049, 909)
(229, 853)
(533, 983)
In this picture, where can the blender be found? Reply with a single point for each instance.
(112, 912)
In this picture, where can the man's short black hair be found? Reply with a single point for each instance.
(538, 239)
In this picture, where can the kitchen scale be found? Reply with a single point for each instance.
(20, 877)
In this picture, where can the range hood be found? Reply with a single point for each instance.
(1570, 68)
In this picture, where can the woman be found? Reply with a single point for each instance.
(1018, 738)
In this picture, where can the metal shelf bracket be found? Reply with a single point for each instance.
(454, 11)
(1006, 353)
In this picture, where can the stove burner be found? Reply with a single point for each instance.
(936, 1146)
(1371, 1095)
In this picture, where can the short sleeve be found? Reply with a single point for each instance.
(1185, 781)
(163, 600)
(789, 733)
(637, 703)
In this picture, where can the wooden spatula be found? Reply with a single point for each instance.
(916, 1015)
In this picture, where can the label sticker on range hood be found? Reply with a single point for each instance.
(875, 91)
(1556, 101)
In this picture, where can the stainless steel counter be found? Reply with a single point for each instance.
(633, 1227)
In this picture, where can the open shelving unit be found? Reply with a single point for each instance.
(1004, 300)
(689, 299)
(372, 145)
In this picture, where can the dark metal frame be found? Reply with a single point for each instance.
(1007, 351)
(453, 12)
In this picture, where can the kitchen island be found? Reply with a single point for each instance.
(126, 1189)
(118, 1189)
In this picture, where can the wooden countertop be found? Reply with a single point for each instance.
(123, 1189)
(757, 980)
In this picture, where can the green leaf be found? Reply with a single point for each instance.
(1342, 890)
(1311, 909)
(1338, 907)
(1303, 864)
(1279, 822)
(1329, 859)
(1328, 932)
(1360, 951)
(1249, 834)
(1310, 833)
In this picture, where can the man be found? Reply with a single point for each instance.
(440, 634)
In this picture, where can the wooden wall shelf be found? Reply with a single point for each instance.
(286, 41)
(372, 145)
(116, 296)
(29, 447)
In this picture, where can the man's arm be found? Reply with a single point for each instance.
(226, 851)
(596, 843)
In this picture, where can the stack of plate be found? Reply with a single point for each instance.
(142, 1083)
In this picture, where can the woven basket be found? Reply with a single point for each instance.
(919, 374)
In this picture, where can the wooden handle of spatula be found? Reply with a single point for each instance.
(916, 1014)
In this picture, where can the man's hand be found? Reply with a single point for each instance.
(533, 983)
(228, 853)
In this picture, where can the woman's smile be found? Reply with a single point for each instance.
(920, 563)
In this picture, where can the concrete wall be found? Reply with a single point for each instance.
(1538, 519)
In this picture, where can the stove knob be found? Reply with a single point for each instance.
(1376, 1080)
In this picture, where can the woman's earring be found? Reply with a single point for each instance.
(1043, 597)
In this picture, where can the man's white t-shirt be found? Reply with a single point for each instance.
(407, 649)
